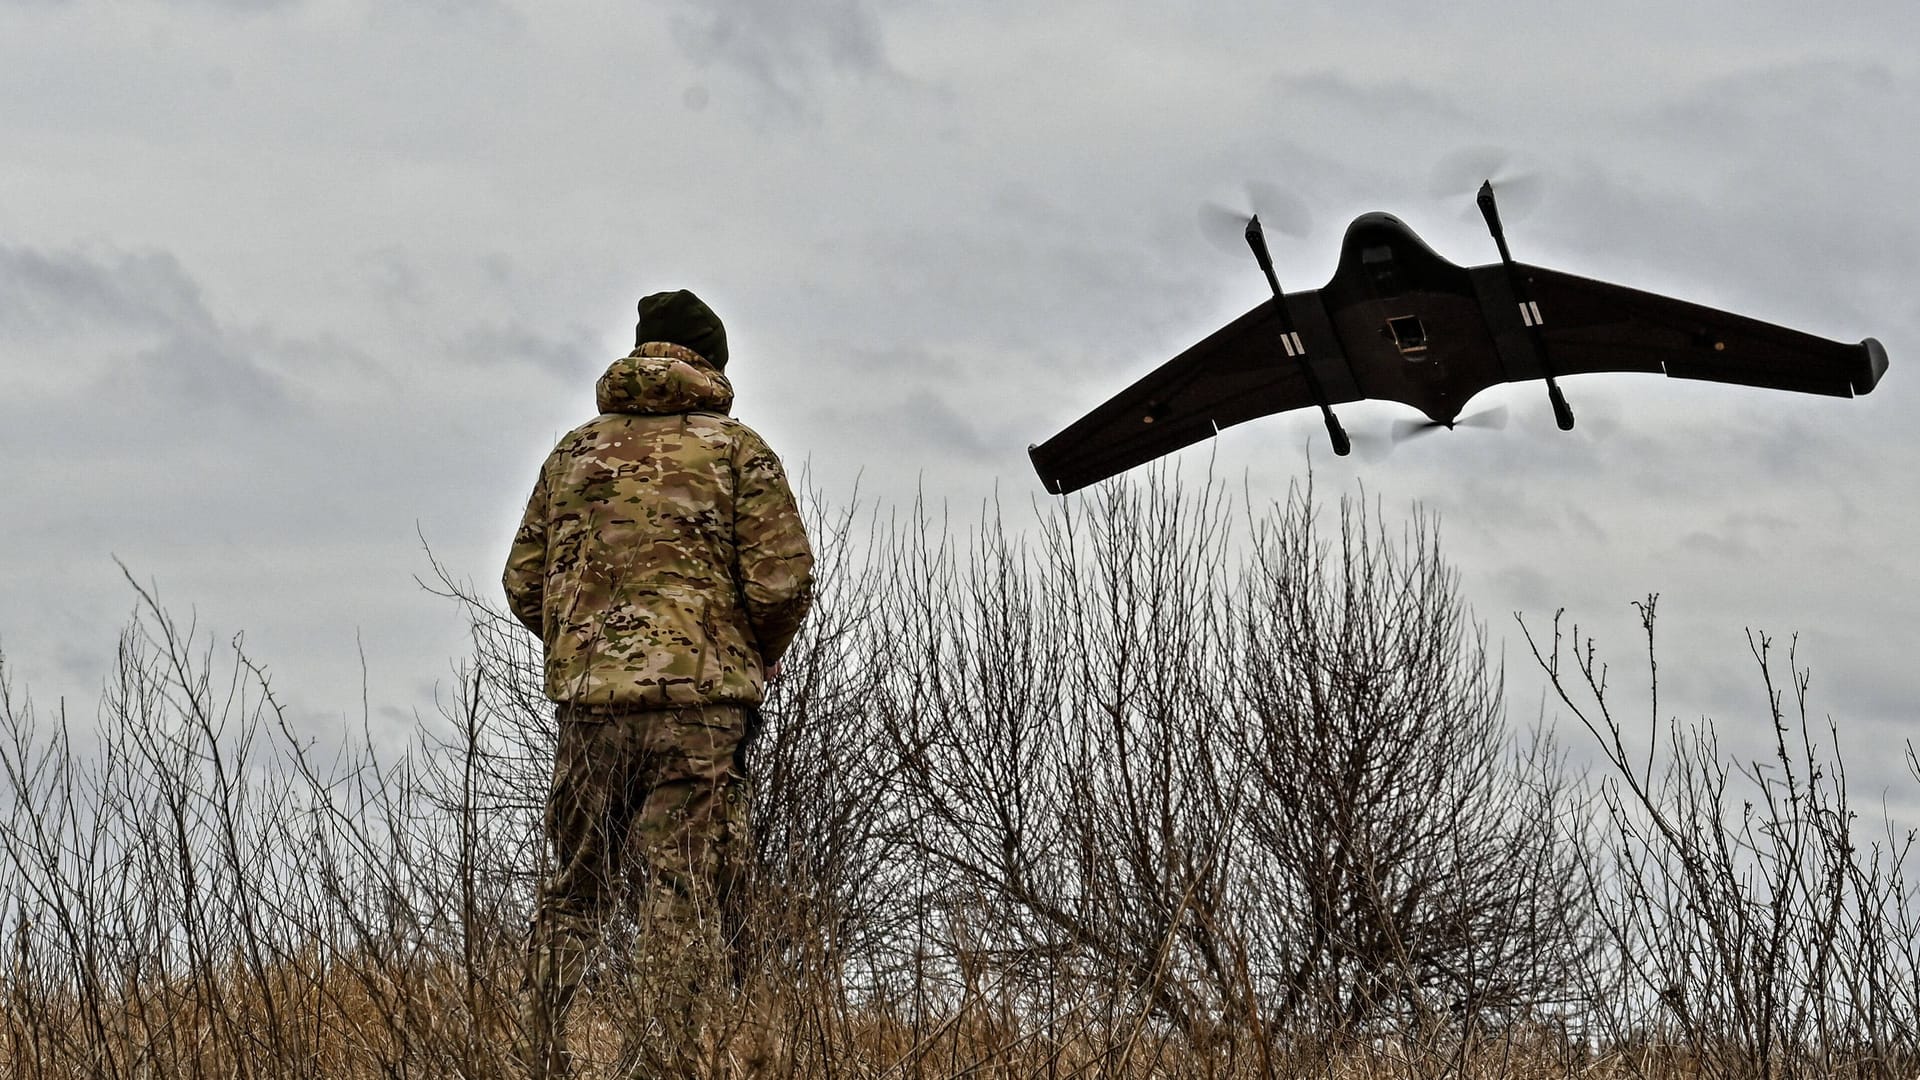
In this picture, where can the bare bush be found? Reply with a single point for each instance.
(196, 898)
(1167, 787)
(1257, 789)
(1415, 868)
(1751, 933)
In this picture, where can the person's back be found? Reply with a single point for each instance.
(663, 563)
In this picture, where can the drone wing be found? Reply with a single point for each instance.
(1399, 323)
(1237, 373)
(1590, 326)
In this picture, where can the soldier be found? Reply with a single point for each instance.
(664, 565)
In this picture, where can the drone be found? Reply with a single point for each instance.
(1397, 322)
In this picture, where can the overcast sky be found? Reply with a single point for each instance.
(287, 284)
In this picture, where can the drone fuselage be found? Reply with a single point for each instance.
(1413, 320)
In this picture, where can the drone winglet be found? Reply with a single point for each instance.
(1290, 339)
(1529, 310)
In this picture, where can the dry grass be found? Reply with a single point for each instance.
(1137, 798)
(352, 1032)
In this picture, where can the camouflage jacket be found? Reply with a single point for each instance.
(662, 559)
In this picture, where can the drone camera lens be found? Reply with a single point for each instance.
(1408, 334)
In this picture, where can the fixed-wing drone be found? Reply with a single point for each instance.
(1399, 323)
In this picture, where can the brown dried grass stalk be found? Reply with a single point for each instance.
(1169, 788)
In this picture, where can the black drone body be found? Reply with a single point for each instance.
(1397, 322)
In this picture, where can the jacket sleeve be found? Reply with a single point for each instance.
(775, 567)
(526, 575)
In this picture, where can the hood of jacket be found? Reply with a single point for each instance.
(661, 378)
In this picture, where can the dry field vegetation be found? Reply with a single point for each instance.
(1173, 787)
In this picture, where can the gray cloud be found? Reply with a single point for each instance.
(934, 421)
(783, 47)
(393, 276)
(1716, 545)
(1803, 97)
(578, 355)
(210, 375)
(44, 293)
(251, 7)
(1360, 96)
(140, 324)
(242, 5)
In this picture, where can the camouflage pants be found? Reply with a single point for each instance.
(643, 809)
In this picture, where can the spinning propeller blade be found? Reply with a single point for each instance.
(1492, 419)
(1225, 226)
(1460, 173)
(1371, 447)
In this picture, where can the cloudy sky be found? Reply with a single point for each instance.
(286, 285)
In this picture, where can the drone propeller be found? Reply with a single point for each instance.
(1226, 226)
(1371, 447)
(1460, 173)
(1598, 423)
(1492, 419)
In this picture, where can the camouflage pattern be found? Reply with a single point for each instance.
(663, 563)
(662, 558)
(645, 813)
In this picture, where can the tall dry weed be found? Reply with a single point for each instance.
(1167, 787)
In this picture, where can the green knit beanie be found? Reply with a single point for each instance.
(681, 318)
